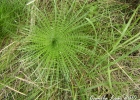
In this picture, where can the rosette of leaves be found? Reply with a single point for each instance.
(58, 42)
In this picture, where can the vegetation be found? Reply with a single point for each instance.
(69, 49)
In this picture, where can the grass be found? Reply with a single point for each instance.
(69, 50)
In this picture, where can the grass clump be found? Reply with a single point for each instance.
(10, 14)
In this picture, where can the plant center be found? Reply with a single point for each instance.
(54, 42)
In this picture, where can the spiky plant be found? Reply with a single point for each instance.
(57, 42)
